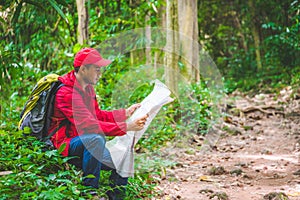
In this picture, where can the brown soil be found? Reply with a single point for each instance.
(257, 153)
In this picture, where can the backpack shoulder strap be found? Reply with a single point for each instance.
(49, 114)
(63, 123)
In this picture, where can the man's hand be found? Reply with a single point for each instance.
(137, 124)
(131, 109)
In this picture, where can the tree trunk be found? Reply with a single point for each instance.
(172, 44)
(83, 21)
(240, 31)
(188, 26)
(256, 38)
(255, 34)
(148, 39)
(162, 17)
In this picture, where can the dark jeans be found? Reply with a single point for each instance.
(90, 148)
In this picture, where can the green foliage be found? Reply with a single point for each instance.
(281, 58)
(10, 65)
(110, 17)
(283, 46)
(140, 93)
(162, 130)
(141, 189)
(39, 174)
(196, 109)
(32, 38)
(228, 36)
(36, 174)
(183, 116)
(296, 76)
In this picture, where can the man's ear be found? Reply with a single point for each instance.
(83, 68)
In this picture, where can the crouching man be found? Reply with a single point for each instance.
(87, 125)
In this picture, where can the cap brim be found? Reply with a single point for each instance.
(103, 62)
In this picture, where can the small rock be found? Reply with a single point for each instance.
(297, 173)
(219, 196)
(176, 188)
(247, 176)
(206, 191)
(236, 183)
(266, 152)
(179, 165)
(276, 196)
(248, 127)
(244, 165)
(248, 182)
(236, 172)
(217, 171)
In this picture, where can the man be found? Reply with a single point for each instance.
(83, 134)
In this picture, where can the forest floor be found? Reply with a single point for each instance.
(257, 154)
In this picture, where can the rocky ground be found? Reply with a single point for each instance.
(257, 154)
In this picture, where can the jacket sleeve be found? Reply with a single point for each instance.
(71, 104)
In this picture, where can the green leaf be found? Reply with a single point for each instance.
(49, 154)
(62, 188)
(75, 190)
(62, 148)
(66, 159)
(67, 181)
(60, 12)
(90, 176)
(34, 3)
(27, 130)
(62, 2)
(17, 13)
(52, 177)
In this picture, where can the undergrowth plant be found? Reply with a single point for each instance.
(33, 172)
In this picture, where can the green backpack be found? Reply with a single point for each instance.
(37, 112)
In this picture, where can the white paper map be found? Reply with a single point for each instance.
(122, 148)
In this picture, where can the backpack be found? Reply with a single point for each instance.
(38, 109)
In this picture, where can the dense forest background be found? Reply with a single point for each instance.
(255, 44)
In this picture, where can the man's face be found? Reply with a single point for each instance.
(92, 73)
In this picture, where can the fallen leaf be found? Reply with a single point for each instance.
(294, 194)
(205, 178)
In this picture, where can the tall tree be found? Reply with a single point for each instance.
(172, 46)
(189, 35)
(148, 38)
(83, 22)
(255, 34)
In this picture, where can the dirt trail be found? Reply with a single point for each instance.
(258, 152)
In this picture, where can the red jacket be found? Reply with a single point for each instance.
(82, 111)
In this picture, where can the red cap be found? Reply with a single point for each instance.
(89, 56)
